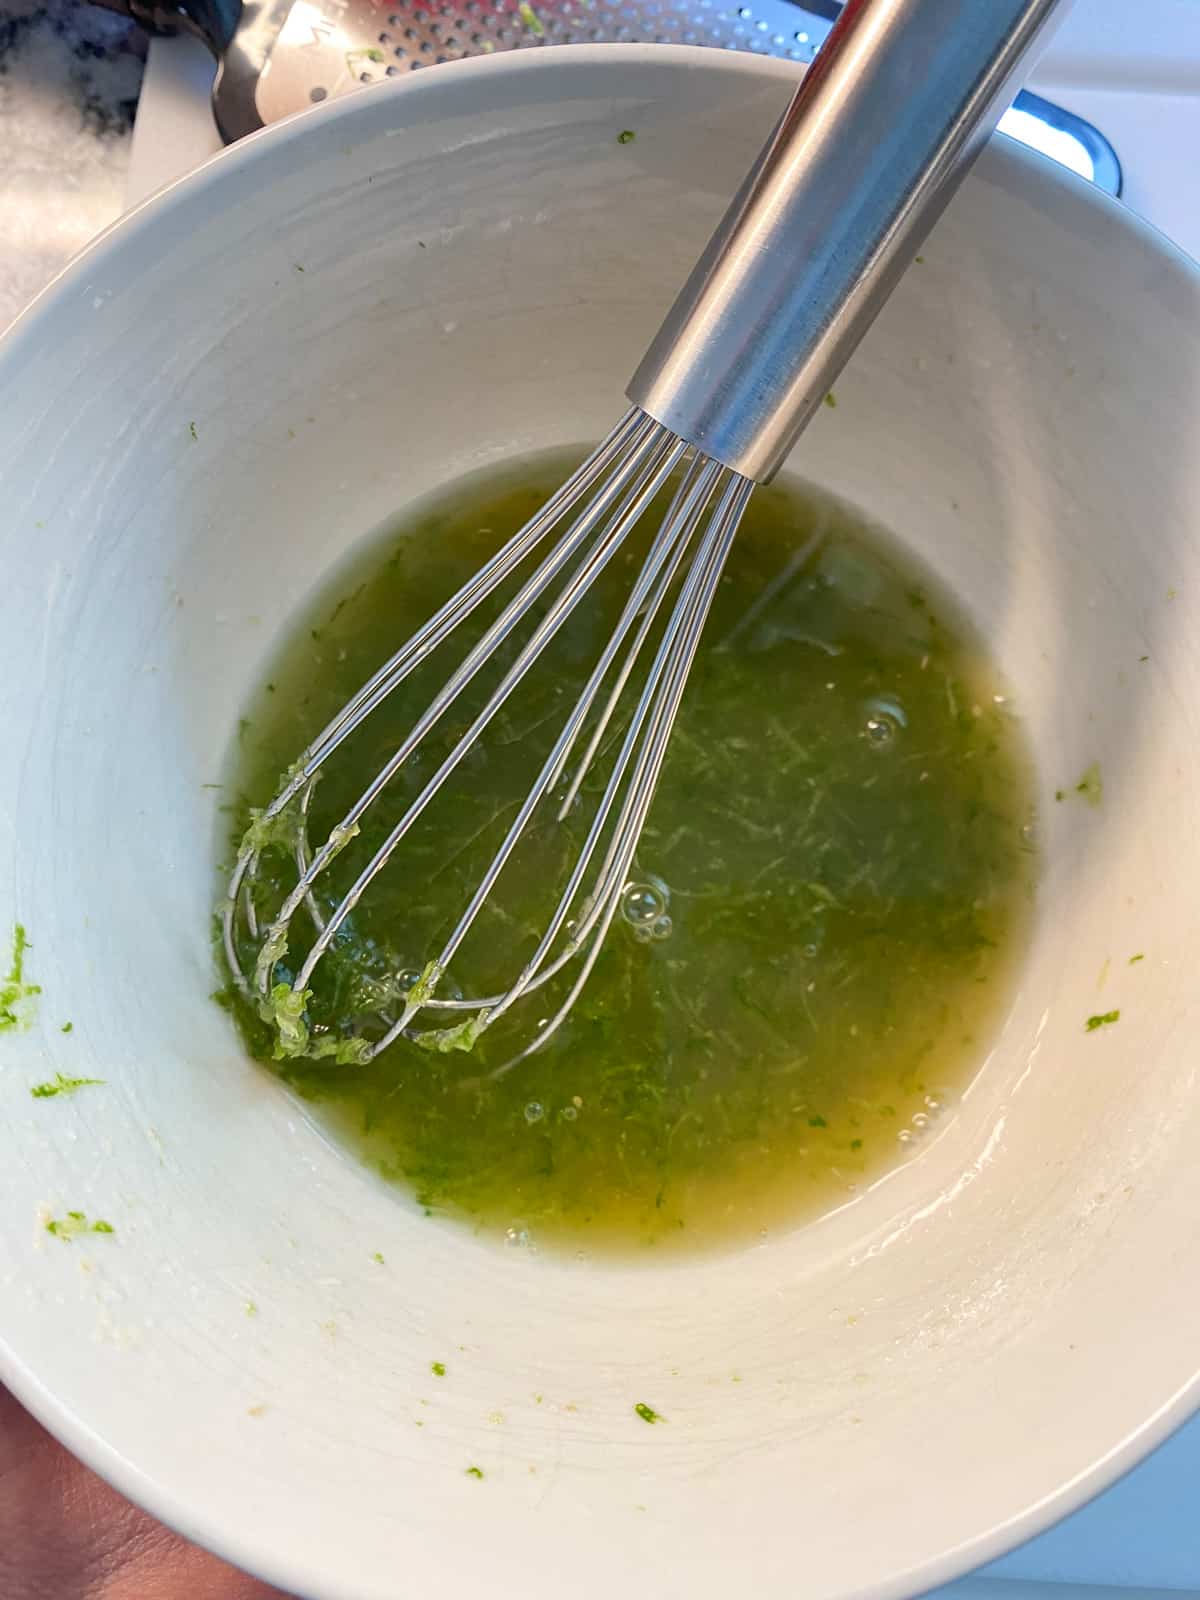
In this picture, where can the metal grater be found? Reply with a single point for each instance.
(279, 56)
(332, 47)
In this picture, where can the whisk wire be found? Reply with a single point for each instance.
(642, 441)
(662, 563)
(667, 550)
(649, 479)
(633, 433)
(694, 496)
(626, 473)
(671, 667)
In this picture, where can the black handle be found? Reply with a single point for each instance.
(214, 21)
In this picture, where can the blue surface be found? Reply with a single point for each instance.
(1143, 1531)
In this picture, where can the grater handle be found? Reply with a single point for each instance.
(883, 127)
(213, 21)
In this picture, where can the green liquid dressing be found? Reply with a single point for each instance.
(828, 901)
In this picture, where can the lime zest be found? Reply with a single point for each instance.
(15, 993)
(76, 1223)
(60, 1085)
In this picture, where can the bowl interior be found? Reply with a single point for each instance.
(201, 417)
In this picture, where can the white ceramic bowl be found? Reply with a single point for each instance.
(860, 1407)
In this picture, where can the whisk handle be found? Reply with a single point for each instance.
(883, 126)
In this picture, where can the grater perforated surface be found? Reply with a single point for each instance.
(325, 51)
(288, 54)
(421, 34)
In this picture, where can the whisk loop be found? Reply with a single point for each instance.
(593, 514)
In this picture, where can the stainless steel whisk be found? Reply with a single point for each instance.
(880, 131)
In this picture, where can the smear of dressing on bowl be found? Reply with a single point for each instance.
(819, 938)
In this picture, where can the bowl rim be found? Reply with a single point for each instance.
(238, 1546)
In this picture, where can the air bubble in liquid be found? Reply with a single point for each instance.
(644, 900)
(884, 720)
(534, 1111)
(569, 1113)
(662, 928)
(447, 989)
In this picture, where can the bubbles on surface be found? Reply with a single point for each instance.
(922, 1123)
(559, 799)
(884, 721)
(446, 988)
(644, 901)
(645, 904)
